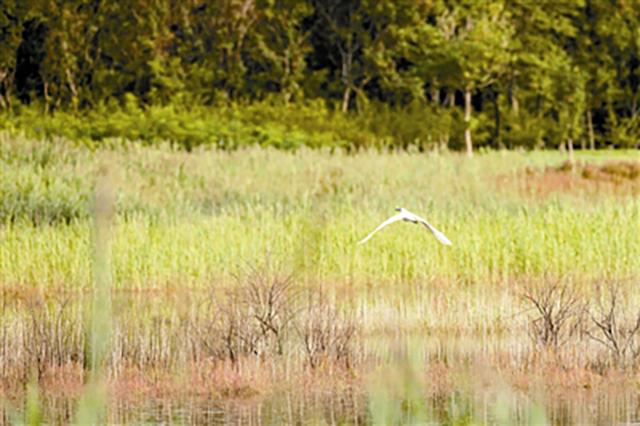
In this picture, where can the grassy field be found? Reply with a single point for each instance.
(197, 235)
(188, 219)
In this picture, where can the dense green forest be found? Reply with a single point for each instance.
(408, 73)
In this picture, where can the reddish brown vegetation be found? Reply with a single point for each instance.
(313, 352)
(617, 178)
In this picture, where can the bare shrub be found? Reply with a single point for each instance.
(252, 318)
(235, 327)
(271, 302)
(44, 334)
(325, 332)
(616, 326)
(257, 318)
(557, 312)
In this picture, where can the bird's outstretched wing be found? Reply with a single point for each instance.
(389, 221)
(439, 235)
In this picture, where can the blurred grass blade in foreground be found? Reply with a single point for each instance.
(92, 403)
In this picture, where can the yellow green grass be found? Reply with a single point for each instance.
(189, 218)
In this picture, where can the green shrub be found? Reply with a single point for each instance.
(626, 132)
(228, 127)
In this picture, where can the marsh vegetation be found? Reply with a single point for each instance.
(236, 290)
(183, 184)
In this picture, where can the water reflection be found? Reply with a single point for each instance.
(417, 378)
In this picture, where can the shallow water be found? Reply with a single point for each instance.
(336, 410)
(402, 387)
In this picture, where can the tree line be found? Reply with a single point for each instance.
(501, 73)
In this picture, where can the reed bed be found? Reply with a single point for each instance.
(227, 273)
(187, 219)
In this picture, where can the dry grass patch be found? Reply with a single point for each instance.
(620, 178)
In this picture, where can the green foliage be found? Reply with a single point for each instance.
(626, 132)
(266, 124)
(32, 189)
(524, 130)
(523, 65)
(473, 47)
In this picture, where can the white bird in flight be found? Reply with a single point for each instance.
(407, 216)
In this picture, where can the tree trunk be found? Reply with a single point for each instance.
(514, 101)
(435, 93)
(347, 73)
(345, 98)
(72, 87)
(47, 99)
(3, 75)
(570, 150)
(467, 122)
(449, 102)
(451, 99)
(592, 139)
(443, 142)
(497, 119)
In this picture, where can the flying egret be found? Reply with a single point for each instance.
(407, 216)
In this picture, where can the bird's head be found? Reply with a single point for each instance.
(399, 209)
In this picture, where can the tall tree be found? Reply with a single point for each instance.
(280, 43)
(67, 43)
(12, 17)
(607, 50)
(339, 31)
(473, 54)
(543, 33)
(400, 35)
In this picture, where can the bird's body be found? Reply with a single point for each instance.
(407, 216)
